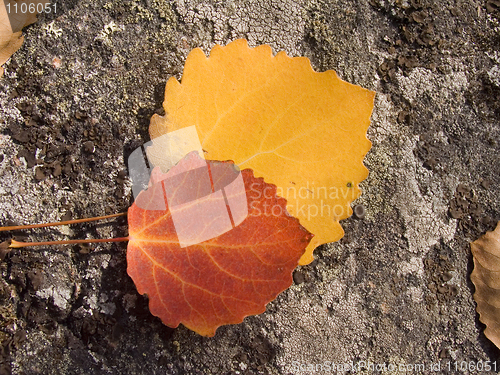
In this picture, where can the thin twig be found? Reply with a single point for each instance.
(17, 227)
(18, 244)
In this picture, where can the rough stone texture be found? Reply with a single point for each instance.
(77, 98)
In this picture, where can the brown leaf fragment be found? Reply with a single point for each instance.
(486, 279)
(14, 15)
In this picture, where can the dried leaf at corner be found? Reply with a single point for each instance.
(12, 23)
(486, 279)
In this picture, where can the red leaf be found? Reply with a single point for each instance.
(225, 278)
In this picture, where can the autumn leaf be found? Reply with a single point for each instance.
(301, 130)
(14, 15)
(219, 281)
(486, 279)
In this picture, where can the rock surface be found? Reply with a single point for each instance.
(76, 100)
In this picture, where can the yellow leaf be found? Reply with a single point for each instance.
(301, 130)
(486, 279)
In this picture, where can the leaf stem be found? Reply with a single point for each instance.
(16, 227)
(18, 244)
